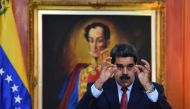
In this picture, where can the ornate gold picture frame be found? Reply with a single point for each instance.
(54, 27)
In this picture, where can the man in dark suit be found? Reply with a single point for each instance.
(129, 88)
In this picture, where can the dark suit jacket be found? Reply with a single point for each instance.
(109, 98)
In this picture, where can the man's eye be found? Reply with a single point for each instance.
(100, 40)
(119, 66)
(130, 65)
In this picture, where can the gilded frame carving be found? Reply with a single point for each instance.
(154, 9)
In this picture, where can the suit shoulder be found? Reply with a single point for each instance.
(158, 86)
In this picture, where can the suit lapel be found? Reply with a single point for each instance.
(112, 94)
(136, 95)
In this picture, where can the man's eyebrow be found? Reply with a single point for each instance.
(131, 64)
(99, 37)
(126, 65)
(119, 64)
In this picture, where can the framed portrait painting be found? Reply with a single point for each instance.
(58, 43)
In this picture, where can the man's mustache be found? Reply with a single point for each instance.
(124, 77)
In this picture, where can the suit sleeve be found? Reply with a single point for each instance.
(88, 101)
(162, 102)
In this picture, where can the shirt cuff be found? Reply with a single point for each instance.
(96, 92)
(153, 96)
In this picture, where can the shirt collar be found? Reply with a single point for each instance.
(128, 88)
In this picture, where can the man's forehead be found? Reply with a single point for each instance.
(124, 60)
(97, 31)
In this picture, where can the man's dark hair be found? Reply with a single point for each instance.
(106, 30)
(123, 50)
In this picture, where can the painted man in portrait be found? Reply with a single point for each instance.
(98, 37)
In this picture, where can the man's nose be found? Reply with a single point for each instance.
(124, 70)
(94, 45)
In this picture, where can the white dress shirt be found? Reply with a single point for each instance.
(153, 96)
(120, 92)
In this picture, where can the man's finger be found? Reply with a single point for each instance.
(147, 67)
(137, 69)
(146, 63)
(107, 59)
(141, 68)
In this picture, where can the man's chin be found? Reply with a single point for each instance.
(125, 83)
(95, 55)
